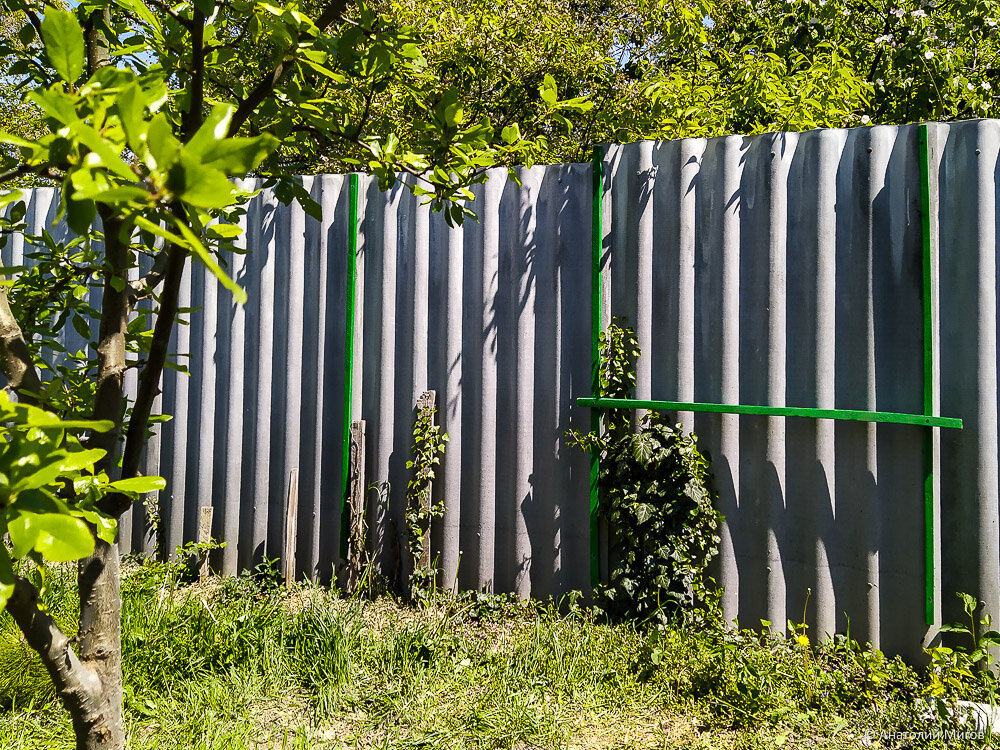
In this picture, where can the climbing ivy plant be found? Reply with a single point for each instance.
(428, 447)
(656, 497)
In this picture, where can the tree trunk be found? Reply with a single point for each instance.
(101, 640)
(96, 716)
(99, 575)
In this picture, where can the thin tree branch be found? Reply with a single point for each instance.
(144, 286)
(149, 375)
(333, 12)
(193, 117)
(34, 20)
(165, 8)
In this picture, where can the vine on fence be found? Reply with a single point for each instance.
(656, 497)
(428, 447)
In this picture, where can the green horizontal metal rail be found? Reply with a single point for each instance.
(852, 415)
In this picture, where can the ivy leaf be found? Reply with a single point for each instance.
(642, 449)
(63, 40)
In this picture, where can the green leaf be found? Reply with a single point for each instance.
(449, 109)
(82, 459)
(105, 526)
(511, 133)
(238, 156)
(548, 90)
(210, 263)
(15, 140)
(56, 104)
(63, 40)
(129, 105)
(81, 327)
(138, 484)
(969, 602)
(109, 156)
(161, 144)
(212, 130)
(954, 627)
(6, 577)
(197, 184)
(57, 537)
(80, 215)
(26, 34)
(224, 231)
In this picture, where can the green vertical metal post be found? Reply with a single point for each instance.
(352, 269)
(597, 242)
(928, 314)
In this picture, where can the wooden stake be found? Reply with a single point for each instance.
(204, 536)
(356, 505)
(291, 527)
(425, 405)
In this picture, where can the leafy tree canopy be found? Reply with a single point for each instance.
(676, 68)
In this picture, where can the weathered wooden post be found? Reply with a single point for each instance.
(291, 528)
(426, 405)
(356, 504)
(204, 536)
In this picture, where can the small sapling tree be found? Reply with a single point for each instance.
(148, 109)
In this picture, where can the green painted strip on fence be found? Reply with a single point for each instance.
(928, 314)
(352, 270)
(597, 243)
(922, 420)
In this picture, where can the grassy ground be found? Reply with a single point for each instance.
(240, 663)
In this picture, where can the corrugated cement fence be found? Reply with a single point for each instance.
(779, 270)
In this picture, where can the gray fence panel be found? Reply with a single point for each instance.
(263, 396)
(968, 184)
(786, 270)
(494, 317)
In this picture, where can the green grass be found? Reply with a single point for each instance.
(240, 663)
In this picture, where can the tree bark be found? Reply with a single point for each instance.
(101, 642)
(82, 691)
(15, 360)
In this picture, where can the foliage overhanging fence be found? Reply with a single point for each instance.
(784, 271)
